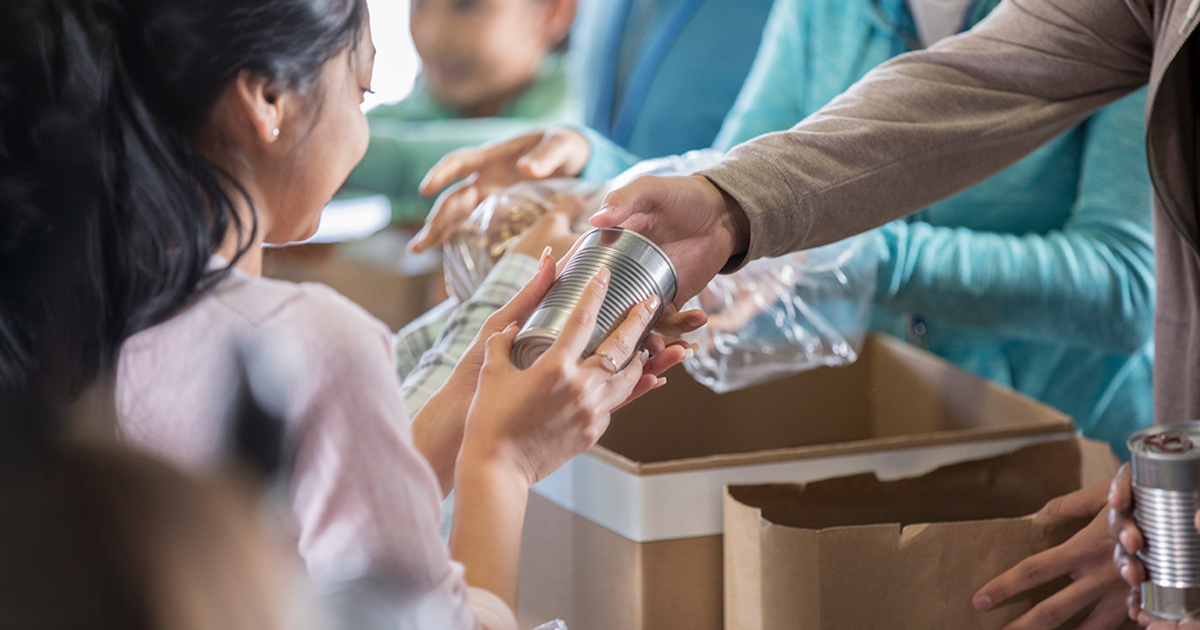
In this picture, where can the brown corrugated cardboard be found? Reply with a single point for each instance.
(628, 535)
(856, 552)
(375, 272)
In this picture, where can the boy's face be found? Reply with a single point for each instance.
(480, 53)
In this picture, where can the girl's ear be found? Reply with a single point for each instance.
(560, 16)
(268, 108)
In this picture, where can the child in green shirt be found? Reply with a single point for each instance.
(491, 69)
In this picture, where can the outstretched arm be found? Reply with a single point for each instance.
(917, 129)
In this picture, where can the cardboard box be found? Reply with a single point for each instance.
(628, 535)
(375, 272)
(857, 552)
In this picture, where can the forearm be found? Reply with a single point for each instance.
(437, 435)
(489, 513)
(433, 389)
(461, 326)
(929, 124)
(1079, 286)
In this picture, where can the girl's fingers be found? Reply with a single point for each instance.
(645, 384)
(655, 343)
(498, 352)
(577, 332)
(619, 388)
(527, 299)
(670, 357)
(623, 341)
(562, 262)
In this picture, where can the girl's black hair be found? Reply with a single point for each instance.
(108, 216)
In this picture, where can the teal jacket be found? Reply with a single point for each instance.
(409, 137)
(1040, 278)
(691, 60)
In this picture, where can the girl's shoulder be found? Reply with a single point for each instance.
(319, 323)
(308, 313)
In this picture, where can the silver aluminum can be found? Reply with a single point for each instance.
(639, 270)
(1166, 495)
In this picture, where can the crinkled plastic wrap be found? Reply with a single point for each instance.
(500, 219)
(671, 165)
(779, 316)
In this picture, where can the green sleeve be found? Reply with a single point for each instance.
(401, 152)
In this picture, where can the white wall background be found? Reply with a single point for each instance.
(396, 61)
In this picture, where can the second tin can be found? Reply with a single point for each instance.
(1166, 495)
(639, 270)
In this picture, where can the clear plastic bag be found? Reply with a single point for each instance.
(779, 316)
(498, 221)
(671, 165)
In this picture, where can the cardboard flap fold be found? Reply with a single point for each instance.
(856, 552)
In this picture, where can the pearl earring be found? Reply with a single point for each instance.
(275, 134)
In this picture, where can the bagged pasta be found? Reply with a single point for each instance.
(500, 219)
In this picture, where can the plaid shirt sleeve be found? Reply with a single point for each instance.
(445, 332)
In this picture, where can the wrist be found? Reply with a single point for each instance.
(585, 149)
(489, 468)
(437, 431)
(733, 219)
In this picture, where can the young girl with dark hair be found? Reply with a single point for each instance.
(164, 141)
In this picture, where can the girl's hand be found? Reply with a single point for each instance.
(532, 421)
(523, 425)
(438, 426)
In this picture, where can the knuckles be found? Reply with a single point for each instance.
(1031, 573)
(1048, 614)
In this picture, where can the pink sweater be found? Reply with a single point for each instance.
(367, 504)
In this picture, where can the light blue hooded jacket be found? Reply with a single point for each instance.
(1040, 278)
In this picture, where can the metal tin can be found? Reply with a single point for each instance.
(1166, 495)
(639, 270)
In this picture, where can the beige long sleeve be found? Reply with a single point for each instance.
(929, 124)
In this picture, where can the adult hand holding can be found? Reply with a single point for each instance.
(640, 271)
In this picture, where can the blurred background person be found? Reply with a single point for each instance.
(490, 69)
(99, 536)
(656, 78)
